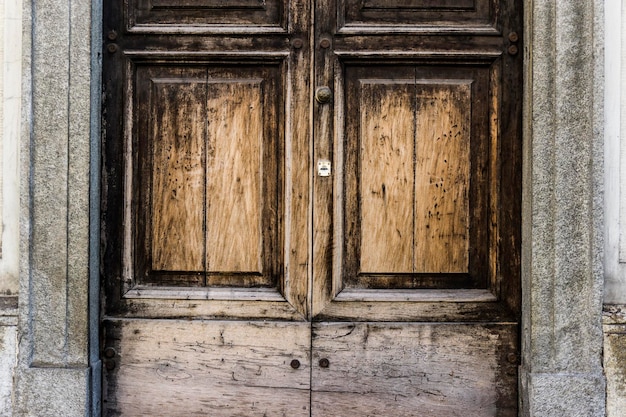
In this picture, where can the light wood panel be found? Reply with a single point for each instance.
(178, 135)
(209, 169)
(387, 132)
(442, 175)
(235, 168)
(417, 147)
(194, 368)
(414, 370)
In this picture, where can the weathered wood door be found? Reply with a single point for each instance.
(311, 208)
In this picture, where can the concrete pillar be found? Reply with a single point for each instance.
(562, 215)
(54, 372)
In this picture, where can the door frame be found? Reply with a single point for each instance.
(548, 377)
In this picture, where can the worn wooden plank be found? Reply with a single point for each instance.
(324, 122)
(297, 174)
(387, 132)
(177, 136)
(403, 369)
(442, 176)
(218, 368)
(234, 172)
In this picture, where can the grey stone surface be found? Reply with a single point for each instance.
(563, 394)
(53, 376)
(60, 146)
(562, 230)
(8, 356)
(53, 392)
(49, 182)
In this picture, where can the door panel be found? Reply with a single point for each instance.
(198, 15)
(219, 368)
(415, 282)
(417, 15)
(211, 143)
(205, 213)
(413, 370)
(416, 148)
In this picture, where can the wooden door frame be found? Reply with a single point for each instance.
(561, 370)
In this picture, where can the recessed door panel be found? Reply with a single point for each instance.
(205, 140)
(191, 15)
(416, 176)
(415, 15)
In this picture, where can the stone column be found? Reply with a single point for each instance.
(54, 364)
(562, 227)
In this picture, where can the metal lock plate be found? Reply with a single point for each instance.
(323, 168)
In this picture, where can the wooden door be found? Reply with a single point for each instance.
(273, 248)
(415, 298)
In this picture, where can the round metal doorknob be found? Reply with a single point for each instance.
(324, 363)
(295, 364)
(323, 95)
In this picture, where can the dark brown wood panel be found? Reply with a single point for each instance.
(218, 13)
(442, 176)
(420, 4)
(450, 15)
(387, 175)
(234, 176)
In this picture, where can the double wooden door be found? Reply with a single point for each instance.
(311, 208)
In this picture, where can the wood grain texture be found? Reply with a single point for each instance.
(387, 135)
(458, 15)
(178, 135)
(392, 365)
(234, 176)
(207, 13)
(194, 368)
(442, 175)
(398, 369)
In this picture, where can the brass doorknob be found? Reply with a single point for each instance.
(323, 95)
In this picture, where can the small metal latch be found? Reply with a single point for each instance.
(323, 168)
